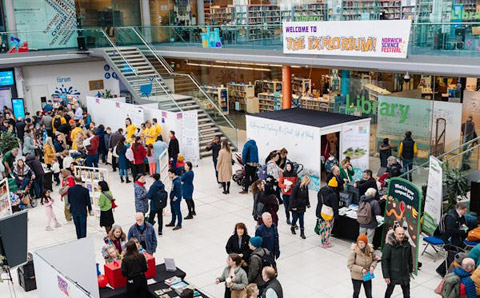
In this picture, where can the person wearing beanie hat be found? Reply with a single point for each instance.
(255, 263)
(361, 260)
(328, 196)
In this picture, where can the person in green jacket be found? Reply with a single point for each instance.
(105, 202)
(346, 171)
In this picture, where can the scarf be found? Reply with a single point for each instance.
(140, 183)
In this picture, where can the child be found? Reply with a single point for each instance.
(180, 165)
(252, 291)
(47, 201)
(113, 254)
(140, 249)
(151, 159)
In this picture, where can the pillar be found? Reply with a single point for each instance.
(345, 85)
(10, 16)
(200, 12)
(145, 9)
(286, 87)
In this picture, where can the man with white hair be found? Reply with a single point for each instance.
(465, 273)
(368, 209)
(78, 112)
(269, 233)
(144, 232)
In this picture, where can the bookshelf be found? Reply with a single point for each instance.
(392, 10)
(237, 95)
(268, 86)
(317, 104)
(220, 95)
(374, 91)
(301, 86)
(360, 10)
(222, 15)
(315, 11)
(206, 10)
(269, 101)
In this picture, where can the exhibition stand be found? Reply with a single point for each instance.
(308, 134)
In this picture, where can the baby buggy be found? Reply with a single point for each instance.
(21, 198)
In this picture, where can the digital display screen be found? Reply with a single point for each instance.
(6, 78)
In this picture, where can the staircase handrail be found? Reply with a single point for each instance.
(172, 72)
(135, 72)
(477, 139)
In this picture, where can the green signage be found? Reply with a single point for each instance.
(384, 108)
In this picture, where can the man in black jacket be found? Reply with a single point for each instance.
(158, 200)
(455, 225)
(173, 149)
(367, 182)
(116, 136)
(407, 151)
(37, 168)
(79, 199)
(215, 146)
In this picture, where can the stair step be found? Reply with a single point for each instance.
(204, 131)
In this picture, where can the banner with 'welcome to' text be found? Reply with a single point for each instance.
(387, 39)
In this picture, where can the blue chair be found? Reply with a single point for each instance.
(436, 243)
(470, 244)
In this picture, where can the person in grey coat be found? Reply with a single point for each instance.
(28, 145)
(369, 229)
(234, 277)
(141, 201)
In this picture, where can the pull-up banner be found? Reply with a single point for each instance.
(387, 39)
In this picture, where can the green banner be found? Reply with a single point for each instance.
(403, 209)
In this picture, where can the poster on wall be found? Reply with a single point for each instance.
(355, 145)
(387, 39)
(471, 107)
(136, 114)
(90, 178)
(434, 196)
(448, 116)
(50, 23)
(190, 142)
(403, 209)
(5, 203)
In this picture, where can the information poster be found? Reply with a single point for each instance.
(190, 142)
(471, 107)
(403, 209)
(434, 196)
(5, 203)
(90, 178)
(355, 144)
(49, 23)
(136, 114)
(385, 38)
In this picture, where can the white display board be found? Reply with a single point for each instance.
(190, 141)
(60, 275)
(90, 178)
(434, 196)
(136, 113)
(452, 113)
(385, 38)
(355, 143)
(164, 165)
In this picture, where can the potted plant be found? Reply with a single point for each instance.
(8, 141)
(455, 185)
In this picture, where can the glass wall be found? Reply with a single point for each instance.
(108, 13)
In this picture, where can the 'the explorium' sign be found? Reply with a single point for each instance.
(348, 38)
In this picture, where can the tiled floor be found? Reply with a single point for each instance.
(305, 269)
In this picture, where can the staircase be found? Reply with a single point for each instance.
(135, 70)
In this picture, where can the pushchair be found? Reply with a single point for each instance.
(21, 198)
(239, 175)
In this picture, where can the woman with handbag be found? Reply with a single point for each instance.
(327, 210)
(235, 278)
(362, 261)
(299, 202)
(106, 202)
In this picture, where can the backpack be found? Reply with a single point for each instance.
(258, 207)
(161, 203)
(451, 287)
(267, 260)
(262, 173)
(57, 122)
(364, 214)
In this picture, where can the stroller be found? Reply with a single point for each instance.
(239, 175)
(21, 198)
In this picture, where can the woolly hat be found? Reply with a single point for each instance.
(256, 241)
(362, 237)
(333, 182)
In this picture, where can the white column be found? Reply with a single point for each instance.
(146, 19)
(10, 13)
(200, 13)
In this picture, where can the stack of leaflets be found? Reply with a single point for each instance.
(172, 280)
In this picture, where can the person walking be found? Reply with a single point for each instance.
(105, 203)
(234, 276)
(368, 210)
(139, 154)
(173, 150)
(215, 147)
(158, 201)
(407, 151)
(47, 201)
(250, 160)
(80, 206)
(238, 242)
(123, 162)
(286, 182)
(175, 200)
(134, 266)
(224, 166)
(361, 261)
(397, 262)
(266, 196)
(141, 201)
(269, 233)
(114, 139)
(273, 288)
(299, 202)
(187, 189)
(144, 233)
(67, 182)
(158, 148)
(326, 215)
(255, 263)
(92, 150)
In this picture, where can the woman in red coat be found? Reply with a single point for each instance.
(139, 154)
(286, 182)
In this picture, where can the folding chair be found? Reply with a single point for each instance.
(470, 244)
(436, 243)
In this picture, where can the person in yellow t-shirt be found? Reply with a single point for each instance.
(150, 135)
(130, 128)
(157, 127)
(74, 133)
(143, 132)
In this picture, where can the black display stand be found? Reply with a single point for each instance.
(348, 228)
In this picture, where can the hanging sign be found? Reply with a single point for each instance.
(387, 39)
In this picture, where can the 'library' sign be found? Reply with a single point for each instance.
(388, 39)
